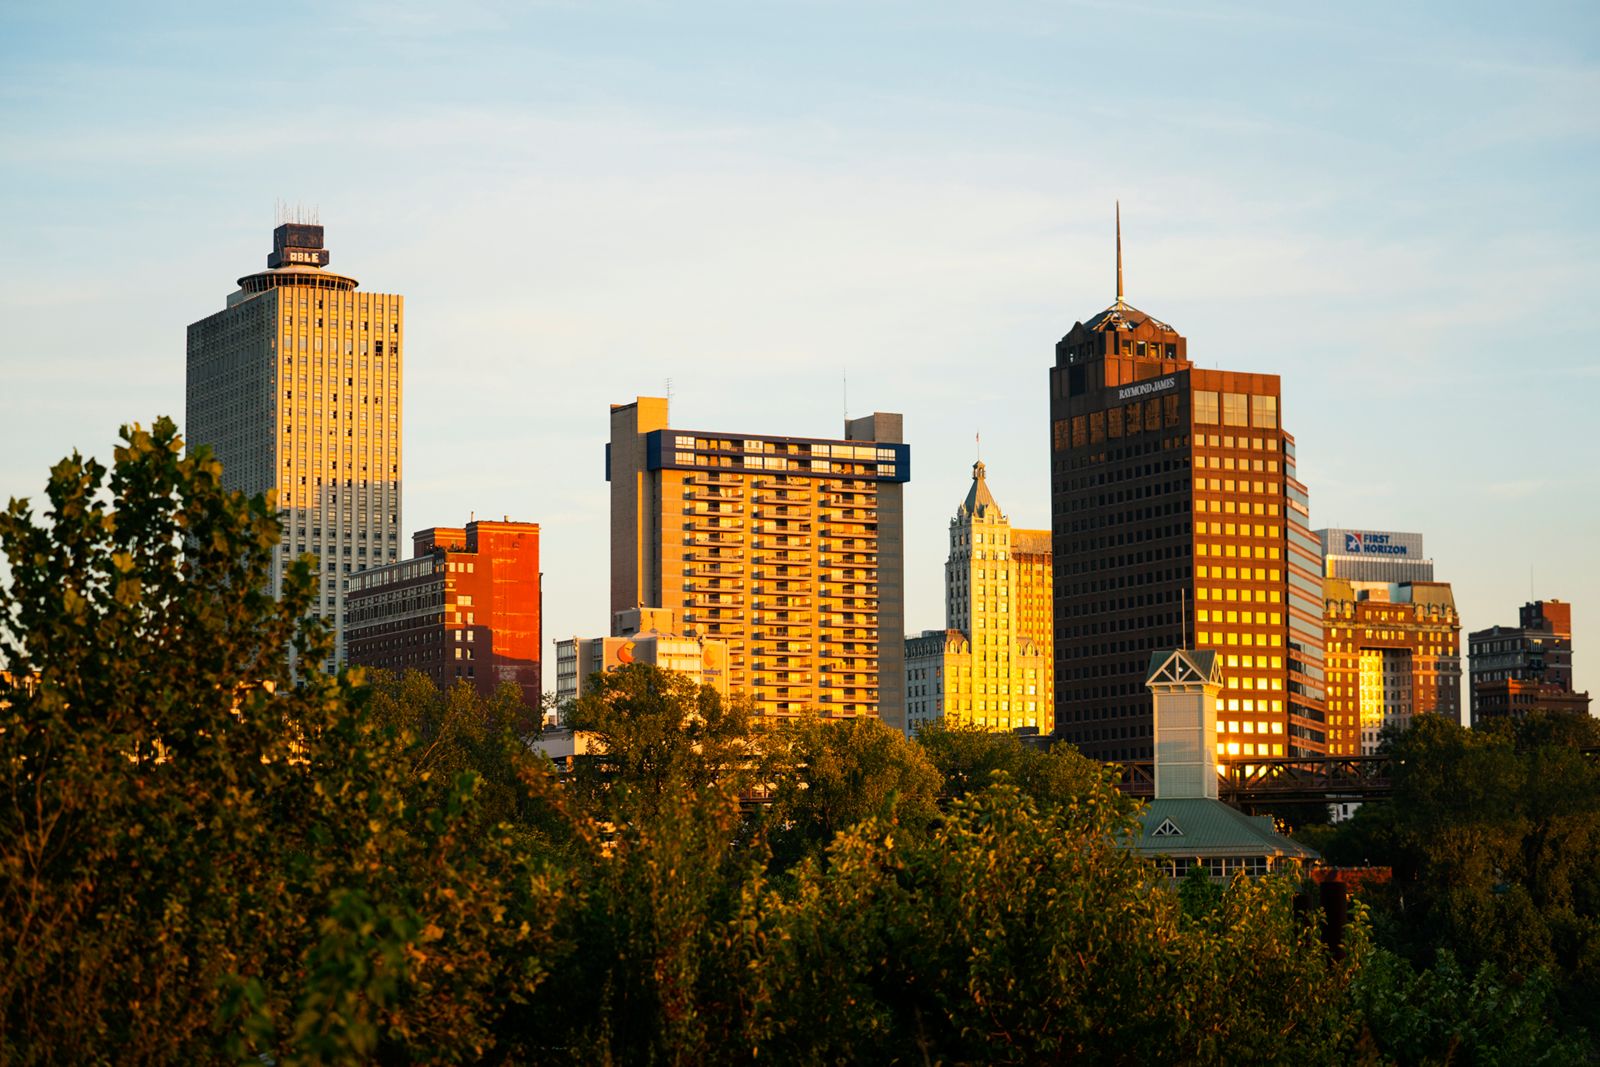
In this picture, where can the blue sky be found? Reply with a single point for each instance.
(1391, 206)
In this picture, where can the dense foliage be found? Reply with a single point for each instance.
(204, 856)
(1493, 917)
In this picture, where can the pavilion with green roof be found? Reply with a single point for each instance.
(1186, 825)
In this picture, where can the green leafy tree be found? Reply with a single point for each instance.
(971, 758)
(1020, 933)
(1443, 1014)
(655, 737)
(831, 774)
(458, 730)
(200, 851)
(1494, 839)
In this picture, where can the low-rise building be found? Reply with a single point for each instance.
(1186, 824)
(1393, 652)
(1525, 668)
(640, 635)
(465, 607)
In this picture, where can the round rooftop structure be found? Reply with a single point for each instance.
(314, 277)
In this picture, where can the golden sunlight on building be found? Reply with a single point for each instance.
(295, 386)
(991, 666)
(787, 549)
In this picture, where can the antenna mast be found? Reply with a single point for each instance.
(1119, 253)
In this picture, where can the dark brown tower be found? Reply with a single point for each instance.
(1177, 522)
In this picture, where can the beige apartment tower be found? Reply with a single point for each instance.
(991, 666)
(787, 549)
(295, 385)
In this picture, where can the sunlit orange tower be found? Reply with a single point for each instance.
(788, 549)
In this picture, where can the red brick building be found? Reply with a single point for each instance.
(1517, 670)
(465, 607)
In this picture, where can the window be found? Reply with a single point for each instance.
(1205, 406)
(1235, 411)
(1264, 412)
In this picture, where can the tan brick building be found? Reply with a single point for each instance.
(991, 665)
(295, 385)
(788, 549)
(1393, 652)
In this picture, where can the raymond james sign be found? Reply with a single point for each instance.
(1160, 385)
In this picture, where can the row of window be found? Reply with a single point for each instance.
(349, 324)
(1235, 409)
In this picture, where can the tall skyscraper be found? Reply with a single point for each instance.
(295, 385)
(1178, 522)
(788, 549)
(467, 607)
(991, 665)
(1518, 669)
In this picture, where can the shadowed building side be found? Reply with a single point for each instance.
(1521, 669)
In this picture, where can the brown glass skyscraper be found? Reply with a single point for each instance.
(1177, 522)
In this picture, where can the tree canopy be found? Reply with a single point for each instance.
(206, 854)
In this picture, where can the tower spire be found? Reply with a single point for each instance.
(1119, 253)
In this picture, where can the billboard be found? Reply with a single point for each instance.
(1389, 544)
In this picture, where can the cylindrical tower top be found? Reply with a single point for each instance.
(298, 257)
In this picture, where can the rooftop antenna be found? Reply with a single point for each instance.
(669, 388)
(977, 442)
(845, 384)
(1119, 254)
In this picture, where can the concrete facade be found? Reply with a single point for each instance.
(1390, 556)
(295, 386)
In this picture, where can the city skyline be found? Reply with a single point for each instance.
(1425, 318)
